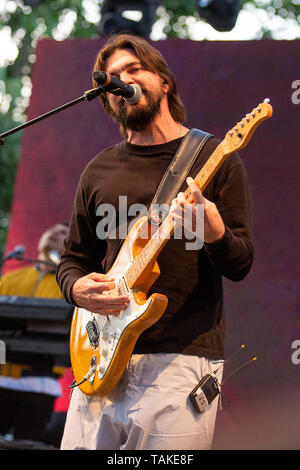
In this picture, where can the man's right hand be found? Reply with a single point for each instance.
(91, 292)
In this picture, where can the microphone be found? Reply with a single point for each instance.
(16, 253)
(54, 256)
(131, 93)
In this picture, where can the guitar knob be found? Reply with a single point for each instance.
(105, 335)
(104, 353)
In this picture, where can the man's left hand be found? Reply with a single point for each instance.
(185, 209)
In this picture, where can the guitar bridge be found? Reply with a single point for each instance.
(93, 333)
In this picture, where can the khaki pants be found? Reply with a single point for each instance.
(148, 410)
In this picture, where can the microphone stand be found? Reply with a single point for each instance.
(88, 95)
(29, 260)
(37, 261)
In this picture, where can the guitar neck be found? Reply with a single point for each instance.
(165, 231)
(235, 139)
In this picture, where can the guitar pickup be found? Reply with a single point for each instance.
(93, 333)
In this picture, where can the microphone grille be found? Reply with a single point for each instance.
(136, 96)
(99, 77)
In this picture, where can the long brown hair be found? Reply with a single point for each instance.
(151, 59)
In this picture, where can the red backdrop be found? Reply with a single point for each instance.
(219, 83)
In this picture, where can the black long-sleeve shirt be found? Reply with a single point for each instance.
(193, 322)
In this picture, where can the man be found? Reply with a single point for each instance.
(28, 390)
(150, 408)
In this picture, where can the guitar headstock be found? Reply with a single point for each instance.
(239, 136)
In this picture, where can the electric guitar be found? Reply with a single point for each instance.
(101, 345)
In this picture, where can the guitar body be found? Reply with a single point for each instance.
(108, 341)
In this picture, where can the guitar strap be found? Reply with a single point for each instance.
(176, 173)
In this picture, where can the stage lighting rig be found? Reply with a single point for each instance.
(114, 20)
(220, 14)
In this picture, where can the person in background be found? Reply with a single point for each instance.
(28, 391)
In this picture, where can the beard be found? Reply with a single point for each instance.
(137, 118)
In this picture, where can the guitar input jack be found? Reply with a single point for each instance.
(88, 375)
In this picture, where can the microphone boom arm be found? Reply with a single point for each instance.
(88, 95)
